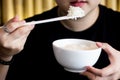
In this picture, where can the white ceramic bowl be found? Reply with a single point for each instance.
(75, 54)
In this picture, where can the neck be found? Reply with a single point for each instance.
(82, 23)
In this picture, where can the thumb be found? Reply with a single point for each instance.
(107, 48)
(16, 18)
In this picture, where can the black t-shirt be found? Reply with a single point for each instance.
(37, 61)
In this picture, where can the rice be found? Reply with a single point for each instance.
(75, 12)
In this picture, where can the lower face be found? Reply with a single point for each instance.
(86, 5)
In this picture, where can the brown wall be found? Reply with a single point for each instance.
(27, 8)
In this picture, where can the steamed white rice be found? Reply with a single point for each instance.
(75, 12)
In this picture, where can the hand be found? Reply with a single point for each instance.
(112, 71)
(13, 42)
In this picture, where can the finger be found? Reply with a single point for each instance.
(14, 25)
(89, 75)
(94, 70)
(113, 54)
(101, 72)
(22, 31)
(11, 24)
(18, 38)
(3, 28)
(14, 19)
(107, 48)
(20, 42)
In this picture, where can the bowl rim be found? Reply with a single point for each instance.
(77, 39)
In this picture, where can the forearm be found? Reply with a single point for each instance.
(3, 71)
(4, 66)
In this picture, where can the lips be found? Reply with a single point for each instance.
(78, 3)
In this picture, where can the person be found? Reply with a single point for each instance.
(26, 51)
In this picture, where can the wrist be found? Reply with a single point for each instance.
(6, 58)
(6, 61)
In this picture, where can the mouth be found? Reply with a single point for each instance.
(78, 3)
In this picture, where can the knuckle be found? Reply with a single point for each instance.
(21, 31)
(12, 25)
(114, 78)
(106, 44)
(102, 74)
(15, 49)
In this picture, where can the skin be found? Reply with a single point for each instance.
(112, 71)
(89, 6)
(20, 33)
(12, 43)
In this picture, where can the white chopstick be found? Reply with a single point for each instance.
(49, 20)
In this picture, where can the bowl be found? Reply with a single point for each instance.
(75, 54)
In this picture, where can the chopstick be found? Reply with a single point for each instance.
(48, 20)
